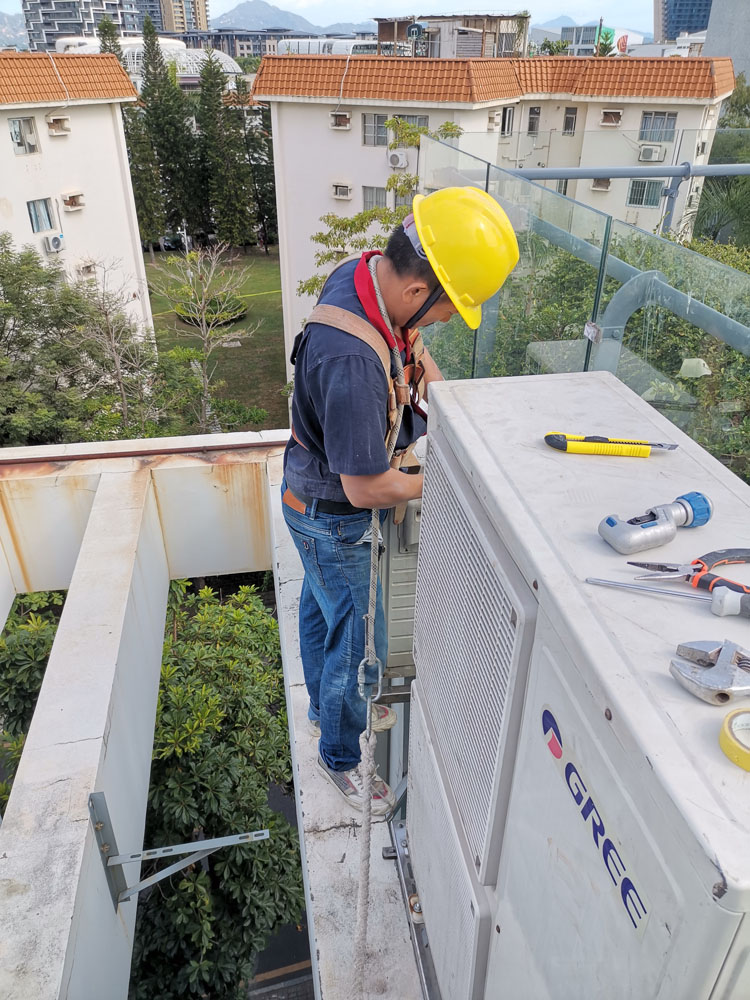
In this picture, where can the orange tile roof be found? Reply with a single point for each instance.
(474, 81)
(39, 78)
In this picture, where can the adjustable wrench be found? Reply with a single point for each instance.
(716, 672)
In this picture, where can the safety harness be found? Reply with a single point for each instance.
(374, 332)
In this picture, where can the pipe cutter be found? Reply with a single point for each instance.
(716, 672)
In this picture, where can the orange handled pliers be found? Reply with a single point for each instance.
(698, 572)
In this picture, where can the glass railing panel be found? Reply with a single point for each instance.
(676, 329)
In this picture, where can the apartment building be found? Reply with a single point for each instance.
(66, 188)
(539, 112)
(48, 20)
(673, 17)
(452, 36)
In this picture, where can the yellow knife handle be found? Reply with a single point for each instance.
(633, 450)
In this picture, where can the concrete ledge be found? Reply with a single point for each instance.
(329, 833)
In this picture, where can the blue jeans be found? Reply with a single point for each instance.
(335, 554)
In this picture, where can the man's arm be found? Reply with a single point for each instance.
(388, 489)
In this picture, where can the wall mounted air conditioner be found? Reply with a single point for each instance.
(397, 158)
(652, 153)
(54, 244)
(573, 826)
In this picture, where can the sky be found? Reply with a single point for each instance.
(640, 13)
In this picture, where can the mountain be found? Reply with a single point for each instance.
(255, 14)
(559, 22)
(13, 31)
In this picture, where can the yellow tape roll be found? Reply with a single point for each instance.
(734, 738)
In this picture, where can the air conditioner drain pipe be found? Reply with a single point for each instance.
(368, 738)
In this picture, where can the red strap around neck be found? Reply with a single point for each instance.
(366, 294)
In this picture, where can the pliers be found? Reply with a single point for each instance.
(698, 573)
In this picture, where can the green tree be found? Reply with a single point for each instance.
(736, 108)
(221, 738)
(167, 124)
(256, 133)
(74, 366)
(203, 287)
(109, 39)
(248, 64)
(146, 179)
(226, 181)
(553, 48)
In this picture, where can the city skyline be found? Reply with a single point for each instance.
(323, 12)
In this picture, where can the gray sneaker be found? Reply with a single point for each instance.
(383, 718)
(351, 786)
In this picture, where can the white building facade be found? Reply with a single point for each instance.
(331, 145)
(66, 188)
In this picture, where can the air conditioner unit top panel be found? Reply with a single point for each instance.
(546, 506)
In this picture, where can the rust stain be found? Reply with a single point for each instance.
(14, 539)
(36, 471)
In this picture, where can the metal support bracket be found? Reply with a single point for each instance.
(113, 861)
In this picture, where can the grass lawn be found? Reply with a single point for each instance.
(255, 372)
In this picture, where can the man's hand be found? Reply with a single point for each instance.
(431, 373)
(388, 489)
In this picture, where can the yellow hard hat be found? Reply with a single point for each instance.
(470, 244)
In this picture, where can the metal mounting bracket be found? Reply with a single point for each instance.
(113, 861)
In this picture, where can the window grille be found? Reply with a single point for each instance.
(535, 113)
(645, 194)
(569, 121)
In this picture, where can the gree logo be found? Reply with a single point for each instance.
(592, 817)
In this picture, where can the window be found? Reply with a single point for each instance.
(657, 126)
(506, 124)
(569, 121)
(342, 191)
(534, 115)
(600, 184)
(404, 200)
(23, 135)
(373, 197)
(374, 132)
(645, 194)
(40, 214)
(611, 116)
(562, 186)
(700, 149)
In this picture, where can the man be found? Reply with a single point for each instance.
(451, 255)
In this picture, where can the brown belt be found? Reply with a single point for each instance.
(301, 503)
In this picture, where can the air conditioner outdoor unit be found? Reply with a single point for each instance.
(573, 827)
(397, 158)
(652, 153)
(54, 244)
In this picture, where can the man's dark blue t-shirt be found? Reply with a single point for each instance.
(339, 404)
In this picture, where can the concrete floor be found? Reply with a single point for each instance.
(330, 833)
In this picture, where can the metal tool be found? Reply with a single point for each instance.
(593, 444)
(723, 600)
(658, 525)
(713, 671)
(698, 572)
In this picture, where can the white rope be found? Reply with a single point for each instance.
(368, 739)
